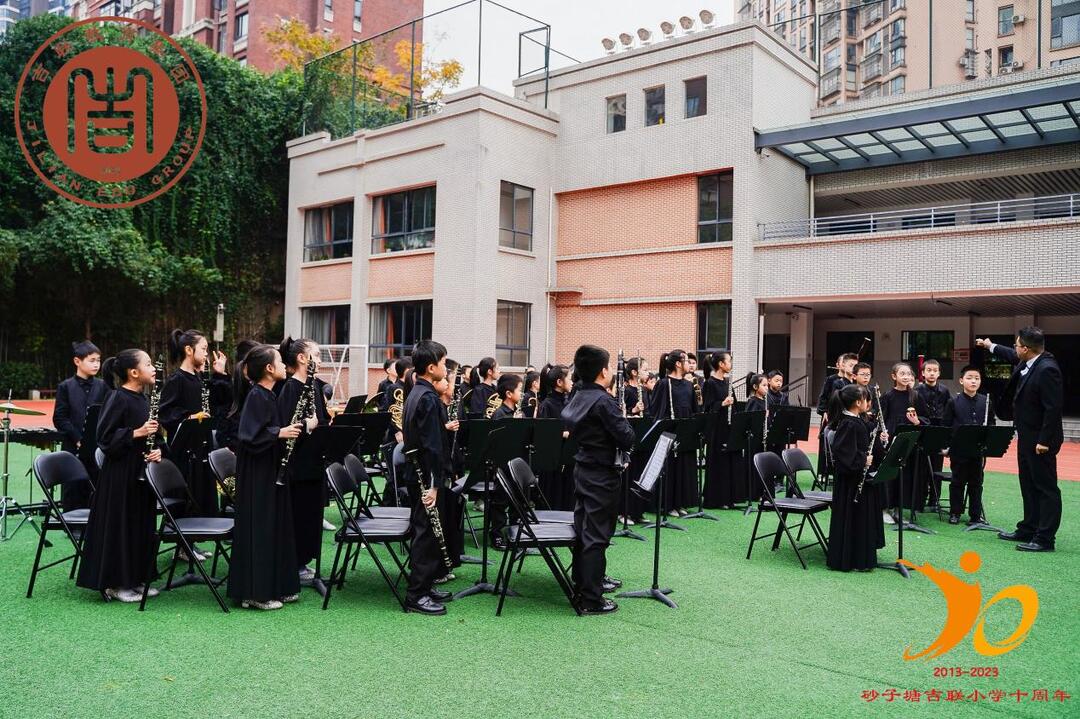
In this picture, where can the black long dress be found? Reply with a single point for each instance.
(856, 529)
(833, 383)
(263, 565)
(306, 475)
(119, 545)
(894, 404)
(725, 471)
(680, 480)
(557, 486)
(181, 397)
(630, 502)
(757, 404)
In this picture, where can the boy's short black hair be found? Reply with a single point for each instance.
(589, 362)
(425, 353)
(774, 373)
(931, 361)
(507, 384)
(971, 368)
(404, 363)
(862, 366)
(386, 364)
(84, 349)
(849, 356)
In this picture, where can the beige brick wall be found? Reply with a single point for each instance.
(326, 282)
(394, 275)
(650, 329)
(701, 270)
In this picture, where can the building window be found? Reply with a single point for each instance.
(242, 61)
(403, 221)
(328, 232)
(896, 57)
(896, 29)
(515, 216)
(1065, 61)
(654, 106)
(802, 40)
(872, 44)
(325, 325)
(1005, 57)
(328, 9)
(241, 26)
(969, 38)
(896, 85)
(931, 344)
(1065, 29)
(357, 9)
(895, 5)
(616, 113)
(1005, 23)
(396, 327)
(512, 334)
(697, 100)
(714, 207)
(713, 327)
(969, 15)
(832, 59)
(873, 13)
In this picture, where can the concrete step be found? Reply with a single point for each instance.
(1071, 426)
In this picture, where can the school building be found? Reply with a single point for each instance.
(687, 194)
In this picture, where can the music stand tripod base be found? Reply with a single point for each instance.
(627, 532)
(896, 567)
(982, 525)
(664, 524)
(659, 595)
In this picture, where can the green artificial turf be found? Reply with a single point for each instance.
(758, 638)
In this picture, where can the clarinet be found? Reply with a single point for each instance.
(155, 400)
(731, 393)
(986, 416)
(432, 511)
(204, 394)
(880, 429)
(304, 405)
(622, 458)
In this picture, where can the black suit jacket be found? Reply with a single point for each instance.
(1034, 401)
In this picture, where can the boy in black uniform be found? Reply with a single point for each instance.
(509, 391)
(73, 397)
(937, 398)
(596, 421)
(969, 407)
(423, 429)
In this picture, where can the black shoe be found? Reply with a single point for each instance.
(610, 585)
(953, 519)
(1034, 546)
(606, 608)
(440, 596)
(973, 522)
(425, 605)
(1014, 537)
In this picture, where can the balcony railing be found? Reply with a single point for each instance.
(976, 213)
(872, 67)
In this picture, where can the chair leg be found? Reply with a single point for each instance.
(333, 573)
(779, 527)
(172, 567)
(794, 544)
(213, 565)
(150, 572)
(814, 525)
(551, 556)
(37, 561)
(382, 570)
(753, 534)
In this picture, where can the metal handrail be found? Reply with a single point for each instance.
(975, 213)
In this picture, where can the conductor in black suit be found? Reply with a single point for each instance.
(1033, 400)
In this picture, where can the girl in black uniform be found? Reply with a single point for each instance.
(262, 571)
(118, 549)
(856, 529)
(633, 507)
(673, 398)
(902, 406)
(558, 485)
(725, 471)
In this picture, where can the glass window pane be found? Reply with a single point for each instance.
(708, 197)
(506, 205)
(707, 233)
(523, 203)
(506, 238)
(696, 97)
(654, 106)
(616, 113)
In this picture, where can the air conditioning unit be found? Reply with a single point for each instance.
(1018, 64)
(1005, 70)
(1018, 19)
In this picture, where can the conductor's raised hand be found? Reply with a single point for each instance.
(983, 343)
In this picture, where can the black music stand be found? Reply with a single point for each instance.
(641, 427)
(746, 434)
(374, 426)
(355, 405)
(892, 467)
(790, 425)
(931, 441)
(684, 429)
(977, 442)
(546, 447)
(706, 426)
(652, 481)
(89, 439)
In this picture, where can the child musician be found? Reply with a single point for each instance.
(530, 401)
(597, 424)
(633, 373)
(777, 396)
(74, 396)
(557, 485)
(452, 524)
(305, 474)
(856, 530)
(509, 391)
(901, 406)
(968, 407)
(424, 431)
(845, 363)
(673, 398)
(937, 397)
(262, 570)
(118, 544)
(484, 376)
(725, 473)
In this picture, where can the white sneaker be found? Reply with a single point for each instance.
(127, 596)
(327, 526)
(887, 517)
(449, 577)
(673, 513)
(307, 574)
(198, 556)
(152, 592)
(290, 599)
(265, 606)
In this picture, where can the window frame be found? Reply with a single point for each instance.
(506, 354)
(513, 230)
(1006, 28)
(610, 117)
(240, 22)
(380, 241)
(702, 327)
(946, 361)
(379, 351)
(720, 226)
(661, 118)
(332, 245)
(342, 316)
(702, 105)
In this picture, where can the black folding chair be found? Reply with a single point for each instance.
(770, 469)
(165, 478)
(523, 475)
(360, 477)
(223, 467)
(53, 469)
(529, 533)
(363, 531)
(822, 481)
(796, 461)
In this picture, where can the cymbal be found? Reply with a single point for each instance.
(8, 407)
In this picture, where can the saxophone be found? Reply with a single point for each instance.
(880, 429)
(155, 401)
(305, 407)
(432, 511)
(492, 404)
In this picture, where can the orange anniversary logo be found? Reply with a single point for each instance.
(99, 116)
(965, 610)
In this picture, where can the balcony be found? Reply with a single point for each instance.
(924, 218)
(872, 67)
(872, 14)
(830, 31)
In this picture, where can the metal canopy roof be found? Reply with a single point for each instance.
(1048, 115)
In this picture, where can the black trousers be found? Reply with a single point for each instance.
(1039, 489)
(596, 494)
(425, 557)
(966, 474)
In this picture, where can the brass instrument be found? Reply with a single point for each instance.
(492, 404)
(397, 408)
(305, 407)
(697, 390)
(870, 450)
(432, 511)
(155, 400)
(371, 404)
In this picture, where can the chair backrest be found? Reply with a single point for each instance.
(355, 467)
(342, 485)
(797, 461)
(522, 473)
(223, 463)
(99, 457)
(399, 458)
(166, 480)
(519, 506)
(769, 468)
(56, 468)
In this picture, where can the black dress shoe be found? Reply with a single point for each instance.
(953, 519)
(425, 605)
(610, 584)
(1034, 546)
(1014, 537)
(606, 608)
(440, 596)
